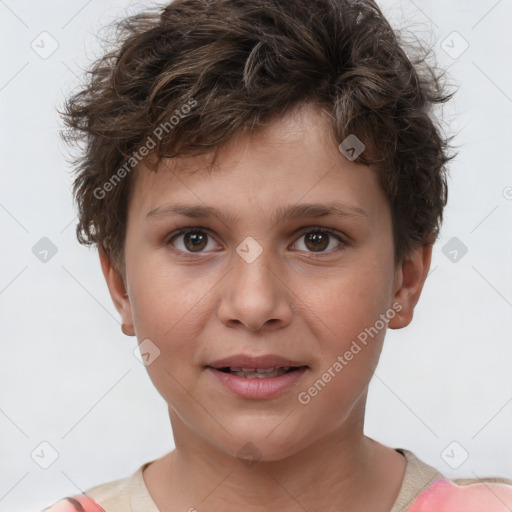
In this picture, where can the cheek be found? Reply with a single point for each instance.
(172, 320)
(350, 335)
(171, 313)
(346, 302)
(345, 318)
(166, 302)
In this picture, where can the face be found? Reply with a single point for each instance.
(267, 281)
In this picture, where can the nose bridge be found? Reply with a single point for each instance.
(256, 258)
(254, 293)
(253, 267)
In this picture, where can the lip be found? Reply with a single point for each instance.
(256, 389)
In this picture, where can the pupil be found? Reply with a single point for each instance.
(196, 239)
(316, 238)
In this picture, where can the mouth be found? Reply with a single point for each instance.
(256, 367)
(259, 373)
(257, 377)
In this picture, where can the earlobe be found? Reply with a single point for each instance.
(116, 287)
(411, 277)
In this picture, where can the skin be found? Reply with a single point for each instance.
(295, 300)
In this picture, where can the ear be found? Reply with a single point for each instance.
(117, 289)
(409, 280)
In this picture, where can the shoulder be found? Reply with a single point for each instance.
(112, 496)
(78, 502)
(466, 495)
(425, 489)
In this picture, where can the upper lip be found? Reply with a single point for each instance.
(247, 361)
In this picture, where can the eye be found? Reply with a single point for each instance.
(193, 240)
(318, 240)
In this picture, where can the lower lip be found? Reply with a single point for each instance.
(257, 388)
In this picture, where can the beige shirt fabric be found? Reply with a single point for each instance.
(130, 494)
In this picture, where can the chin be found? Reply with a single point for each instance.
(263, 441)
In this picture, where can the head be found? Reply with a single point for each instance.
(235, 112)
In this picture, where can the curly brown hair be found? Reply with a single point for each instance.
(184, 78)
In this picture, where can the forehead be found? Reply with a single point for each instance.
(291, 161)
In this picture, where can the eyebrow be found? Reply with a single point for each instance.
(337, 209)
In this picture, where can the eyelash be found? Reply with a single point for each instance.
(304, 231)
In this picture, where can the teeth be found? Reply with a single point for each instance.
(260, 370)
(270, 370)
(259, 373)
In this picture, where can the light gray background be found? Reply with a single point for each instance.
(68, 375)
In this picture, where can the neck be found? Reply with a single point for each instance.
(345, 470)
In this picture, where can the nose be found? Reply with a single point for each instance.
(254, 294)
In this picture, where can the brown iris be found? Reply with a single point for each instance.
(319, 240)
(197, 239)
